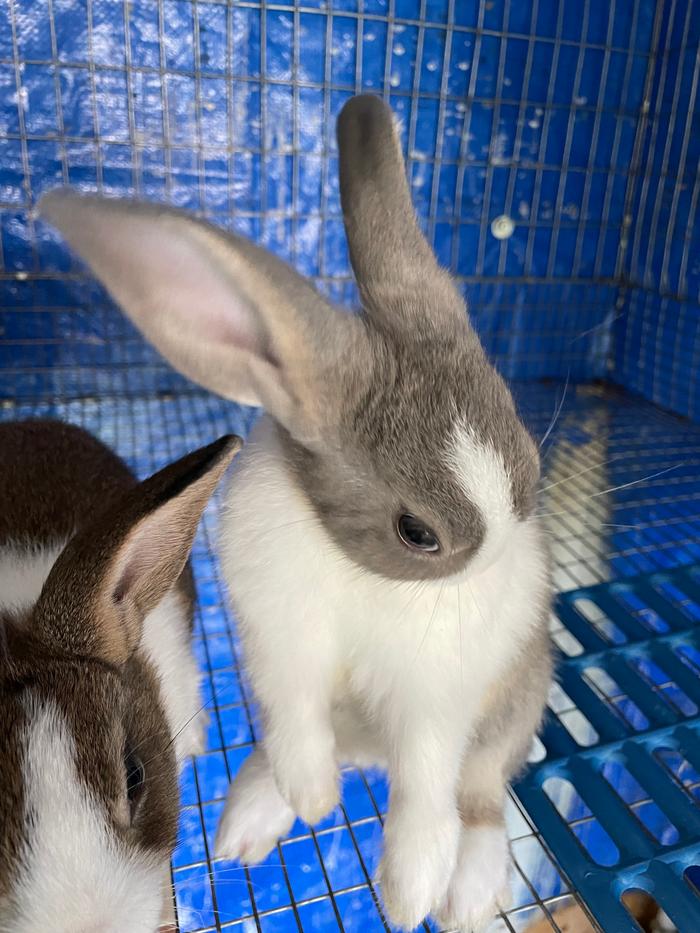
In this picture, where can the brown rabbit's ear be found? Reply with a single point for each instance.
(396, 270)
(118, 568)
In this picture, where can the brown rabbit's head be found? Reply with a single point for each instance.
(89, 801)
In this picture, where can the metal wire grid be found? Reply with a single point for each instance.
(322, 879)
(657, 351)
(66, 340)
(505, 108)
(604, 522)
(657, 338)
(665, 203)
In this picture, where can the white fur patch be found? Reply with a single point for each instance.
(75, 876)
(256, 815)
(167, 642)
(481, 473)
(479, 884)
(23, 572)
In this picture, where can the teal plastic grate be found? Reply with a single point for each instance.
(615, 796)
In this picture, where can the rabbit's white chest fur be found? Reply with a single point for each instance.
(372, 643)
(441, 642)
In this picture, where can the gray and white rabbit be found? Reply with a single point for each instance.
(379, 542)
(99, 689)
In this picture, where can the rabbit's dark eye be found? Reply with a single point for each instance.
(135, 780)
(416, 535)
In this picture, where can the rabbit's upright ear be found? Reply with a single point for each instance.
(224, 312)
(396, 270)
(119, 566)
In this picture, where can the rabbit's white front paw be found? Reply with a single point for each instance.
(479, 882)
(418, 861)
(307, 777)
(255, 816)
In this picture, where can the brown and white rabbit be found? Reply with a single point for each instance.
(99, 689)
(380, 543)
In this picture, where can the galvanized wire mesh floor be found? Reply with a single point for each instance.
(622, 497)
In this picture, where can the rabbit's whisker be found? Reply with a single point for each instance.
(430, 622)
(604, 492)
(596, 466)
(300, 521)
(557, 411)
(416, 588)
(215, 695)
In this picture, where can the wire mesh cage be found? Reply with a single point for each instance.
(552, 151)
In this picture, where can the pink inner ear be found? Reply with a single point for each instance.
(187, 280)
(121, 589)
(149, 559)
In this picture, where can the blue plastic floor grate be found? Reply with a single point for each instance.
(623, 498)
(615, 798)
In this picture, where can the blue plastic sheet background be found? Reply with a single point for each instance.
(578, 120)
(657, 335)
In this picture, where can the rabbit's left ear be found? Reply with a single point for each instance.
(119, 566)
(223, 311)
(398, 275)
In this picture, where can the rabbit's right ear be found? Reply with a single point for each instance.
(398, 275)
(224, 312)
